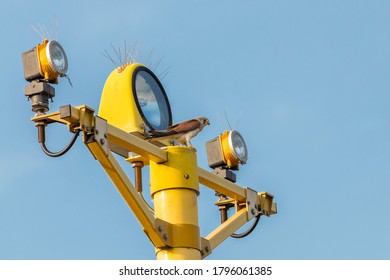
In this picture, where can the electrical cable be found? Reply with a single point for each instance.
(246, 233)
(41, 140)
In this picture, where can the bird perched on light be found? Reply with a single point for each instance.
(182, 132)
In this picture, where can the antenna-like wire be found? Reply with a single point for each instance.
(239, 119)
(42, 31)
(37, 31)
(149, 56)
(162, 75)
(227, 120)
(106, 54)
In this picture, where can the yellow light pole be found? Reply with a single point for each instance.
(175, 190)
(134, 103)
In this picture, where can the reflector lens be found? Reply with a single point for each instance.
(57, 57)
(151, 99)
(238, 146)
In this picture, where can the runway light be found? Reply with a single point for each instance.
(45, 62)
(227, 151)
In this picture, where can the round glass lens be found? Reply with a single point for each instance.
(57, 57)
(152, 101)
(239, 147)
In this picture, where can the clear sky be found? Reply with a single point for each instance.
(305, 82)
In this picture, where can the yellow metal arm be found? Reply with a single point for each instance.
(136, 145)
(221, 185)
(227, 228)
(128, 192)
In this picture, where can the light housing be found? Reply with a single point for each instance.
(228, 150)
(47, 61)
(134, 100)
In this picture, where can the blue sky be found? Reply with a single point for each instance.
(305, 82)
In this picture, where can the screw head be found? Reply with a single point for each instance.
(187, 176)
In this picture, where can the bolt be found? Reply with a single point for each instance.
(253, 211)
(102, 141)
(207, 249)
(248, 202)
(97, 132)
(105, 135)
(165, 236)
(160, 229)
(186, 176)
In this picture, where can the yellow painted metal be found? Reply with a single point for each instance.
(173, 228)
(49, 118)
(128, 192)
(178, 254)
(179, 235)
(175, 188)
(44, 66)
(117, 104)
(179, 172)
(221, 185)
(267, 206)
(135, 144)
(77, 116)
(227, 228)
(227, 153)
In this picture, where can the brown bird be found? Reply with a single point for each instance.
(182, 132)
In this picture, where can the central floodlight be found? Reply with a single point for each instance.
(150, 98)
(135, 101)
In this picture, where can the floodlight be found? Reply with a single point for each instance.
(135, 101)
(227, 151)
(45, 62)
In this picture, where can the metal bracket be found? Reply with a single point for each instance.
(39, 93)
(251, 203)
(267, 206)
(206, 247)
(100, 133)
(178, 235)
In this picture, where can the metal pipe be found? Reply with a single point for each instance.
(138, 175)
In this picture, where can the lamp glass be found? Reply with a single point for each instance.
(151, 100)
(57, 57)
(238, 146)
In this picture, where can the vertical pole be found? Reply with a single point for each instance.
(175, 189)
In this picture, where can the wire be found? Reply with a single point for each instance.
(41, 140)
(249, 231)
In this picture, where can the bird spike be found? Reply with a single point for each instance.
(42, 31)
(132, 54)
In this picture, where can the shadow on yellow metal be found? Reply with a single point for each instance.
(117, 93)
